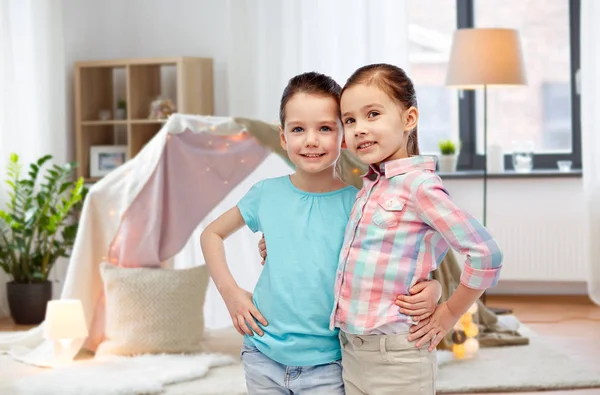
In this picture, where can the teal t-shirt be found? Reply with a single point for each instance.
(304, 233)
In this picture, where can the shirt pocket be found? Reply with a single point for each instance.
(388, 211)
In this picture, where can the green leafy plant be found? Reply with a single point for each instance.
(447, 147)
(39, 224)
(122, 104)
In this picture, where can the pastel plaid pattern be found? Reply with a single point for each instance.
(401, 227)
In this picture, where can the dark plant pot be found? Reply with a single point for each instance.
(28, 302)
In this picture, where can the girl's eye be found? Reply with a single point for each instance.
(348, 121)
(297, 129)
(325, 129)
(372, 114)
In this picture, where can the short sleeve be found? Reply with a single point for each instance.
(249, 206)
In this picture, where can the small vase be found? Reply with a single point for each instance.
(522, 157)
(447, 163)
(495, 159)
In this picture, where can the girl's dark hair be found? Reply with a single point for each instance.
(396, 84)
(311, 83)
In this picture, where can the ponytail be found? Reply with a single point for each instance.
(412, 145)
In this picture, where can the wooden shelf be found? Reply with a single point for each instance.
(147, 121)
(188, 81)
(101, 123)
(124, 122)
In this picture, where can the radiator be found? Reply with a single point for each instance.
(541, 251)
(538, 223)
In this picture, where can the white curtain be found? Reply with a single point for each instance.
(273, 40)
(32, 88)
(590, 137)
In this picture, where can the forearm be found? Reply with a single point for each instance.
(213, 249)
(462, 299)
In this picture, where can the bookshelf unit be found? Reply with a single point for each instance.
(99, 85)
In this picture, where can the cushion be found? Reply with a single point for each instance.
(151, 310)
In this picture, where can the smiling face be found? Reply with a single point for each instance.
(312, 132)
(376, 128)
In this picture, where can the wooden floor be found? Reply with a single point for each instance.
(570, 321)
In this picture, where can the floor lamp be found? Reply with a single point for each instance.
(481, 58)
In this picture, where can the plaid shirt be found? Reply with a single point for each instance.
(401, 227)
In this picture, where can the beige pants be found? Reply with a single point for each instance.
(386, 364)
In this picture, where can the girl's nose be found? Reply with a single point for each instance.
(359, 130)
(312, 139)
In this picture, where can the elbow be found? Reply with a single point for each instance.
(497, 258)
(205, 237)
(210, 235)
(495, 255)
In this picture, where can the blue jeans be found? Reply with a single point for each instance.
(267, 377)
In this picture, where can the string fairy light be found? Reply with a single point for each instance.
(464, 337)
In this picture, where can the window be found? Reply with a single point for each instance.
(556, 117)
(545, 112)
(430, 38)
(435, 116)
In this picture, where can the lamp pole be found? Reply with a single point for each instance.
(496, 310)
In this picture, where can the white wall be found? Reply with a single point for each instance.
(112, 29)
(537, 221)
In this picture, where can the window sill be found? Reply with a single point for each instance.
(539, 173)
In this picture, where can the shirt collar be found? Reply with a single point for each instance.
(396, 167)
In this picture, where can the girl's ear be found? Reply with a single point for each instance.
(412, 119)
(282, 138)
(344, 146)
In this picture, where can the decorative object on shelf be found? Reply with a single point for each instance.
(106, 158)
(464, 336)
(495, 159)
(121, 112)
(104, 115)
(161, 108)
(37, 227)
(522, 156)
(64, 325)
(564, 165)
(448, 158)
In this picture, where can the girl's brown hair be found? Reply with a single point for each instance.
(396, 84)
(311, 83)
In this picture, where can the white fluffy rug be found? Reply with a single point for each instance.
(537, 366)
(147, 374)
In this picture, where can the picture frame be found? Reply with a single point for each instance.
(106, 158)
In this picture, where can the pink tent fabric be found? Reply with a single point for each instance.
(195, 173)
(143, 213)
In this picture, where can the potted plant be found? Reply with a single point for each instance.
(37, 227)
(121, 112)
(448, 157)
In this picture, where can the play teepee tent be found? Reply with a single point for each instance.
(150, 211)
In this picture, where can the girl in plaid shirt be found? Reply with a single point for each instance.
(401, 226)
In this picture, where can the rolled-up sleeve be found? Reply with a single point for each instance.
(462, 232)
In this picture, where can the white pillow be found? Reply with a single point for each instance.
(151, 310)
